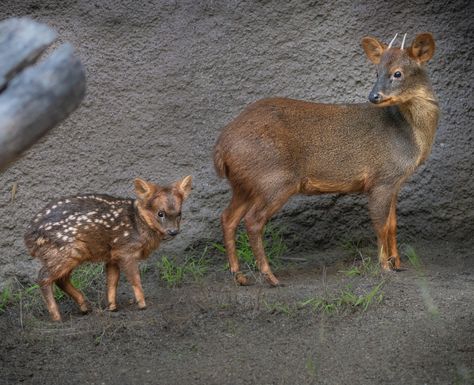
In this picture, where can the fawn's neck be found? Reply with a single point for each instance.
(422, 113)
(149, 236)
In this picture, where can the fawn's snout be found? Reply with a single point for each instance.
(160, 207)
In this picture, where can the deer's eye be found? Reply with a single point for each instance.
(397, 75)
(161, 214)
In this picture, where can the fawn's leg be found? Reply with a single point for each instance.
(46, 287)
(64, 283)
(113, 274)
(130, 268)
(230, 219)
(380, 203)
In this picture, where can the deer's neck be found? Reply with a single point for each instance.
(422, 113)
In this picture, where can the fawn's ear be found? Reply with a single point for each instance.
(423, 47)
(184, 186)
(373, 49)
(144, 190)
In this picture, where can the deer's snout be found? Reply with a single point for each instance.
(375, 97)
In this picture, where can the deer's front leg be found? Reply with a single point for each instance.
(129, 265)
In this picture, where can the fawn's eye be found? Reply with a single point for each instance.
(397, 75)
(161, 214)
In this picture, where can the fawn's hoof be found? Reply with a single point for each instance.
(142, 305)
(241, 279)
(56, 318)
(112, 307)
(84, 308)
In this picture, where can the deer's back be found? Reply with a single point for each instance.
(287, 140)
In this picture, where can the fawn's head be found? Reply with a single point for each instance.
(401, 75)
(160, 206)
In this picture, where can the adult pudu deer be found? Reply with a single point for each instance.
(99, 228)
(280, 147)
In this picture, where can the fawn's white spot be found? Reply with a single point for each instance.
(116, 228)
(47, 212)
(59, 235)
(115, 240)
(54, 206)
(49, 227)
(126, 233)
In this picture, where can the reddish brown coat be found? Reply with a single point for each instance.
(99, 228)
(280, 147)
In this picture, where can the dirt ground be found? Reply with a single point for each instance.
(213, 332)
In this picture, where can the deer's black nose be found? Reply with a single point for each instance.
(375, 97)
(172, 232)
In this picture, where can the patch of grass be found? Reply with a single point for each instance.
(311, 368)
(413, 257)
(272, 242)
(345, 299)
(85, 278)
(416, 262)
(362, 264)
(279, 308)
(175, 273)
(6, 296)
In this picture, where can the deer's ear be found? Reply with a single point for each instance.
(423, 47)
(184, 186)
(373, 49)
(144, 190)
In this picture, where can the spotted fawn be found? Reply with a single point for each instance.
(99, 228)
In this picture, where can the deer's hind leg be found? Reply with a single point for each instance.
(65, 284)
(255, 220)
(230, 219)
(46, 286)
(57, 267)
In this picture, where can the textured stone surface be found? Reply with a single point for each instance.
(165, 76)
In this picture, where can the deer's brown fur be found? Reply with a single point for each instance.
(99, 228)
(280, 147)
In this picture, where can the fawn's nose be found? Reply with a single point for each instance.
(375, 97)
(173, 232)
